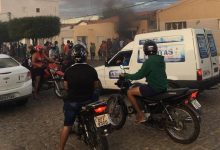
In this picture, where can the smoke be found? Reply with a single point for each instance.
(126, 17)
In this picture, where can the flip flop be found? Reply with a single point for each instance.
(141, 121)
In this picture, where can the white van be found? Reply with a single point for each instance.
(190, 56)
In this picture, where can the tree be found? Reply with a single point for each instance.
(34, 27)
(4, 36)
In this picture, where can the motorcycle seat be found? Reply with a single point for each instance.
(168, 95)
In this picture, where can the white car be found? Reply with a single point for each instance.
(15, 81)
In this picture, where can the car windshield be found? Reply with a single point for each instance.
(8, 62)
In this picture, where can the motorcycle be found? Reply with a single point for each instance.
(93, 125)
(53, 78)
(169, 111)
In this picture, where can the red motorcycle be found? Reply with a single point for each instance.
(54, 78)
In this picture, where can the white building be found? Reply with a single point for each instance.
(10, 9)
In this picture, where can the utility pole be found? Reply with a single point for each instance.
(9, 16)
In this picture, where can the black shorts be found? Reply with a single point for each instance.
(37, 72)
(147, 91)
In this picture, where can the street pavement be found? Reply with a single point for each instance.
(37, 125)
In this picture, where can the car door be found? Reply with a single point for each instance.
(204, 66)
(113, 70)
(213, 52)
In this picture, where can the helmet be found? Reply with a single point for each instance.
(150, 48)
(79, 53)
(38, 48)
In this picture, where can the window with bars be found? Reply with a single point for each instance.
(175, 25)
(37, 10)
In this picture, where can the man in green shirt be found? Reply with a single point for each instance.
(153, 69)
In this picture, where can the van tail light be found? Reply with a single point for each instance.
(28, 77)
(100, 109)
(199, 74)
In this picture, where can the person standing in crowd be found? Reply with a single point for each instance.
(92, 50)
(121, 42)
(115, 47)
(80, 82)
(104, 50)
(109, 48)
(54, 51)
(66, 48)
(38, 64)
(67, 58)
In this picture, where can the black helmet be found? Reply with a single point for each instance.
(150, 48)
(79, 53)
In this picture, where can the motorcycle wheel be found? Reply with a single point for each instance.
(117, 112)
(96, 141)
(184, 127)
(59, 88)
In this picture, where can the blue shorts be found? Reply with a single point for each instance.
(147, 91)
(71, 110)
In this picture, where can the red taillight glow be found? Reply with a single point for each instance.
(194, 95)
(199, 74)
(100, 109)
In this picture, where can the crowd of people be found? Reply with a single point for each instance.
(106, 50)
(110, 47)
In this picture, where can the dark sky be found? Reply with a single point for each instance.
(78, 8)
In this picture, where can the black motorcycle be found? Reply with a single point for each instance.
(171, 111)
(93, 125)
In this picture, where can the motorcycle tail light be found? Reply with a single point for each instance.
(100, 109)
(193, 95)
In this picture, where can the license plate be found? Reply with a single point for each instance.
(7, 97)
(102, 120)
(196, 104)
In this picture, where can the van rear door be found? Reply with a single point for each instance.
(213, 52)
(204, 66)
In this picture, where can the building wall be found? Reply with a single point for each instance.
(191, 9)
(95, 33)
(66, 33)
(24, 8)
(196, 14)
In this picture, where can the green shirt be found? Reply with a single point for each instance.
(154, 70)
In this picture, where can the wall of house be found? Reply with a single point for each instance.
(95, 33)
(191, 9)
(24, 8)
(196, 14)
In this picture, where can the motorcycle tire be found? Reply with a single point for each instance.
(173, 128)
(116, 109)
(59, 91)
(96, 141)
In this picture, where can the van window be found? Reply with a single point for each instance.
(122, 58)
(212, 45)
(202, 46)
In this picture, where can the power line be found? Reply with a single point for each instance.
(126, 7)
